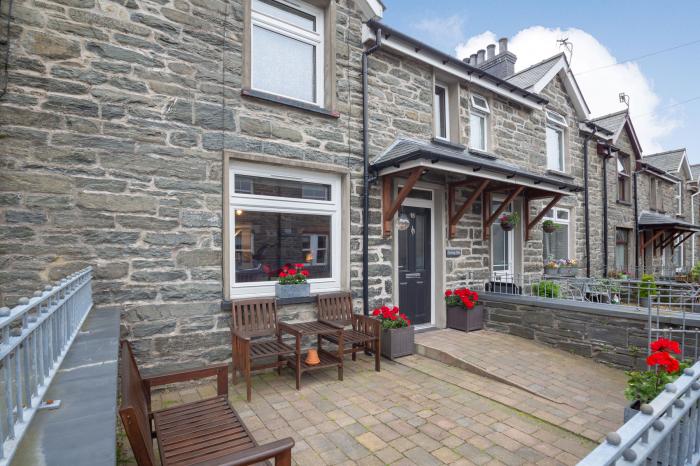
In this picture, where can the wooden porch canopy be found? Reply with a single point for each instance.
(661, 231)
(483, 174)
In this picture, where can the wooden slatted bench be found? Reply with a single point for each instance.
(203, 433)
(364, 332)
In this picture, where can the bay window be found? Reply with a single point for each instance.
(282, 216)
(554, 132)
(478, 123)
(556, 245)
(287, 49)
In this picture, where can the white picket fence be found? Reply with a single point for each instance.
(35, 336)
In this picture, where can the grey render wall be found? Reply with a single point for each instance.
(113, 129)
(614, 335)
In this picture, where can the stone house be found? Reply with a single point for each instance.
(188, 149)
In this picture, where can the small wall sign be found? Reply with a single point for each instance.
(453, 252)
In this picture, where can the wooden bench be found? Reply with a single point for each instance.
(251, 321)
(203, 433)
(364, 333)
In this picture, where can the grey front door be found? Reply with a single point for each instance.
(414, 265)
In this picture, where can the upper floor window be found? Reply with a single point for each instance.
(556, 125)
(478, 123)
(623, 178)
(441, 112)
(679, 198)
(287, 49)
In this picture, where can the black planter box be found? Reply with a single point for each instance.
(466, 320)
(397, 342)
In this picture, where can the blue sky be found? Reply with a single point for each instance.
(620, 30)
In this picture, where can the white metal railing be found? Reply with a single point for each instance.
(665, 432)
(35, 336)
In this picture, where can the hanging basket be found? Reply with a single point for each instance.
(549, 228)
(507, 226)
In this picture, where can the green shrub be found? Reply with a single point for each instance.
(695, 272)
(546, 289)
(648, 286)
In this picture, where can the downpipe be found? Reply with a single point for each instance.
(365, 176)
(586, 208)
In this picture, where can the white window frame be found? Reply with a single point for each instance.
(679, 198)
(571, 238)
(258, 203)
(313, 248)
(557, 123)
(279, 26)
(681, 252)
(483, 112)
(436, 113)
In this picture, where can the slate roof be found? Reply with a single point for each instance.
(695, 170)
(668, 161)
(612, 122)
(653, 220)
(405, 149)
(530, 76)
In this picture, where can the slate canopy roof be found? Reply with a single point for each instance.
(654, 221)
(403, 150)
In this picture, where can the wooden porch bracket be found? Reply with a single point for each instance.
(530, 225)
(669, 241)
(485, 208)
(390, 208)
(683, 240)
(455, 217)
(646, 243)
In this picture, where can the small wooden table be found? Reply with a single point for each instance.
(327, 358)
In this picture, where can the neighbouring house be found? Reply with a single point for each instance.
(188, 149)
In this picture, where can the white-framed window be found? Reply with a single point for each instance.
(283, 216)
(287, 49)
(555, 130)
(622, 248)
(677, 257)
(679, 198)
(478, 122)
(558, 244)
(441, 112)
(623, 178)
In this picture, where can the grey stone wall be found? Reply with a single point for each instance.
(610, 334)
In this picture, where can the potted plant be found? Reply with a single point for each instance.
(568, 267)
(548, 226)
(463, 311)
(291, 282)
(551, 267)
(509, 220)
(647, 289)
(545, 289)
(664, 368)
(397, 332)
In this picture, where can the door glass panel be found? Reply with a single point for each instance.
(501, 242)
(420, 241)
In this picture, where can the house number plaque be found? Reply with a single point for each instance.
(453, 252)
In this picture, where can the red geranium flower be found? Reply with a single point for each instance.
(448, 293)
(305, 273)
(375, 312)
(283, 274)
(392, 316)
(292, 271)
(299, 266)
(663, 360)
(666, 345)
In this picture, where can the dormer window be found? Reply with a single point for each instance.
(441, 112)
(555, 130)
(478, 122)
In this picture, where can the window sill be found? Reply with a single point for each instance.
(483, 154)
(627, 203)
(446, 143)
(559, 174)
(289, 102)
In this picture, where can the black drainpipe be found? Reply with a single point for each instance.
(585, 202)
(605, 213)
(636, 224)
(365, 175)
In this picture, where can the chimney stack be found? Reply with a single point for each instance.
(472, 59)
(480, 57)
(490, 51)
(502, 45)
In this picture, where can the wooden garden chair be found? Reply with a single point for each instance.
(203, 433)
(363, 334)
(253, 323)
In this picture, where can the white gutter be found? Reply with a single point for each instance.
(409, 50)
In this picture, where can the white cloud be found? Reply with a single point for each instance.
(601, 86)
